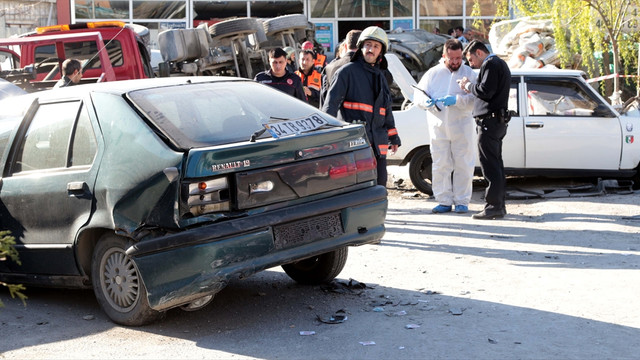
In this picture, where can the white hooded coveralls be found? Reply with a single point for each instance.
(453, 149)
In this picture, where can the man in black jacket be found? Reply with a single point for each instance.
(359, 93)
(348, 48)
(491, 113)
(279, 77)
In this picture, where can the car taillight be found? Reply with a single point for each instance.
(366, 165)
(208, 196)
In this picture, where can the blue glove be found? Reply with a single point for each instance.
(448, 100)
(430, 103)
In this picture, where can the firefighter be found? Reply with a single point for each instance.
(359, 93)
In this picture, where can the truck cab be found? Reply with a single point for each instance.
(43, 51)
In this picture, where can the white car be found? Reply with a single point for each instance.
(562, 127)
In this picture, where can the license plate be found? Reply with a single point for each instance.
(296, 126)
(307, 230)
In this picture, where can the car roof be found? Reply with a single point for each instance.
(125, 86)
(547, 72)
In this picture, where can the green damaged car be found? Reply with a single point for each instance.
(157, 192)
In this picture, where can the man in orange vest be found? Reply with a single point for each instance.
(311, 78)
(321, 59)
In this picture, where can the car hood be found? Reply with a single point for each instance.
(401, 76)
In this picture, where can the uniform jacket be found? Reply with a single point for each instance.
(492, 87)
(289, 83)
(314, 82)
(359, 93)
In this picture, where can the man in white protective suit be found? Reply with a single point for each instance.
(451, 127)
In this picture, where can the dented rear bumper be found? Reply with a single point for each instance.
(179, 268)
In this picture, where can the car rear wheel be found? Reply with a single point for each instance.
(117, 284)
(420, 170)
(318, 269)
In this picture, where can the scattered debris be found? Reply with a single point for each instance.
(411, 326)
(367, 343)
(430, 292)
(342, 287)
(602, 187)
(307, 333)
(398, 313)
(378, 309)
(88, 317)
(339, 317)
(380, 303)
(456, 311)
(491, 341)
(411, 195)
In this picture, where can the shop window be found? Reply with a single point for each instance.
(487, 7)
(349, 8)
(96, 9)
(159, 9)
(402, 8)
(440, 7)
(322, 8)
(377, 8)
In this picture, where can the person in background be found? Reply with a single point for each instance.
(359, 93)
(459, 34)
(350, 46)
(321, 59)
(279, 77)
(491, 113)
(291, 58)
(436, 30)
(450, 128)
(310, 77)
(72, 73)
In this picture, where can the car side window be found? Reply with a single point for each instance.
(564, 98)
(513, 96)
(45, 144)
(84, 146)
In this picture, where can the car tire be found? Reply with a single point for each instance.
(318, 269)
(285, 22)
(420, 170)
(228, 28)
(123, 298)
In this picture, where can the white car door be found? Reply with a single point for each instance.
(569, 127)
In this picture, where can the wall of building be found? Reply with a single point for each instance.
(18, 17)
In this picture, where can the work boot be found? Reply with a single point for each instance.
(489, 214)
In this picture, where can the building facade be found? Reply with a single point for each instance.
(333, 18)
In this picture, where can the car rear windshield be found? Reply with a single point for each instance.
(204, 114)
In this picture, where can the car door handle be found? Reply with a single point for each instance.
(76, 187)
(536, 125)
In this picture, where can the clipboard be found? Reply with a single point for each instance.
(427, 95)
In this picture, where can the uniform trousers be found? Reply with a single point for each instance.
(491, 131)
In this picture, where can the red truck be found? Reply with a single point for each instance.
(43, 51)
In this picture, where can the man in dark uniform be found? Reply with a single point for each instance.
(72, 71)
(491, 114)
(359, 93)
(350, 46)
(279, 77)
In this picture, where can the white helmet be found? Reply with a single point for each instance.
(374, 33)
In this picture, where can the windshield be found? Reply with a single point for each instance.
(196, 115)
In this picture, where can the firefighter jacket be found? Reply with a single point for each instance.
(289, 83)
(313, 81)
(320, 62)
(359, 93)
